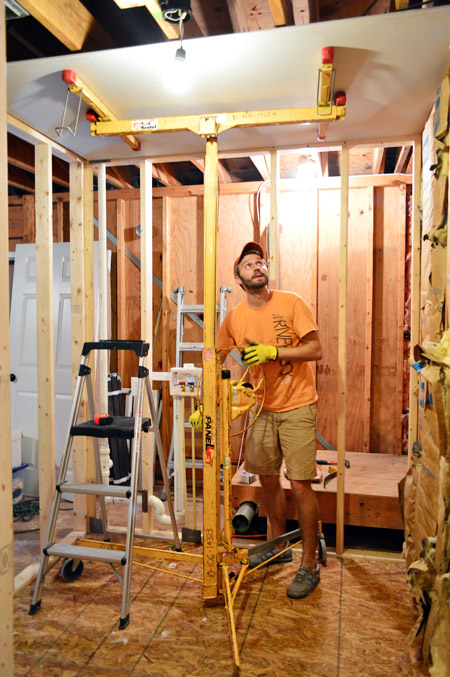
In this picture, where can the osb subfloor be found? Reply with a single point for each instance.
(354, 623)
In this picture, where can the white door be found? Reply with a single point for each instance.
(23, 354)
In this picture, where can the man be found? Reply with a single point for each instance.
(276, 330)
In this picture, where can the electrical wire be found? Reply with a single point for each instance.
(24, 511)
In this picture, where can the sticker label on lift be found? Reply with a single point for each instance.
(144, 125)
(208, 354)
(208, 454)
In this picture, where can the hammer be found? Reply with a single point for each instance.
(320, 462)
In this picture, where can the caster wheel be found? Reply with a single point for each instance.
(69, 572)
(322, 547)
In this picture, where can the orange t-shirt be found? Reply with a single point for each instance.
(281, 322)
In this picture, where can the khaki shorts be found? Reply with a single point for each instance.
(288, 435)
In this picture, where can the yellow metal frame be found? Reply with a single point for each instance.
(218, 551)
(212, 125)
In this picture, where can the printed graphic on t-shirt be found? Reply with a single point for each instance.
(283, 338)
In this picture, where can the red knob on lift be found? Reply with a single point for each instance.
(341, 98)
(91, 115)
(69, 77)
(327, 54)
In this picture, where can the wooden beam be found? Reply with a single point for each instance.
(415, 295)
(260, 162)
(369, 322)
(273, 234)
(20, 179)
(342, 355)
(6, 510)
(122, 175)
(224, 174)
(379, 159)
(237, 16)
(305, 11)
(29, 219)
(21, 154)
(146, 218)
(77, 279)
(166, 173)
(70, 22)
(44, 331)
(401, 233)
(200, 164)
(282, 12)
(170, 30)
(402, 160)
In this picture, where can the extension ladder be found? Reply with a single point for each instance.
(182, 346)
(122, 427)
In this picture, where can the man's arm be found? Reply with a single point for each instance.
(310, 350)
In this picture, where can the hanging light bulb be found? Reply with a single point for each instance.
(177, 11)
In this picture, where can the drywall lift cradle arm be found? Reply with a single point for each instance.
(217, 553)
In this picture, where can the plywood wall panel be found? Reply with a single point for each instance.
(356, 316)
(298, 243)
(385, 317)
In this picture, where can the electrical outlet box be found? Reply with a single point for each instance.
(184, 380)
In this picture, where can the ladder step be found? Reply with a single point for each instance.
(195, 308)
(82, 552)
(190, 346)
(114, 490)
(122, 427)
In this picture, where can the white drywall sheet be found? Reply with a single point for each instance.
(389, 65)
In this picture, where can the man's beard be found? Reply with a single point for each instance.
(256, 283)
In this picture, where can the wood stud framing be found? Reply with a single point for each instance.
(6, 531)
(78, 327)
(415, 293)
(342, 352)
(147, 320)
(44, 328)
(369, 321)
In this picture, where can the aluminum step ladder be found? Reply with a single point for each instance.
(122, 427)
(193, 312)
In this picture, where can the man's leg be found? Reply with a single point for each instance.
(308, 517)
(275, 503)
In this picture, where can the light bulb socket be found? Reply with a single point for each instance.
(180, 54)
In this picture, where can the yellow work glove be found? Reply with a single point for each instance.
(196, 419)
(258, 353)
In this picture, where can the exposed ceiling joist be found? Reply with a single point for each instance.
(379, 159)
(402, 160)
(261, 163)
(282, 12)
(305, 11)
(224, 174)
(70, 22)
(237, 16)
(21, 155)
(170, 30)
(166, 173)
(123, 176)
(20, 179)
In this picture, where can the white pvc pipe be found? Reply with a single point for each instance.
(105, 460)
(158, 507)
(178, 465)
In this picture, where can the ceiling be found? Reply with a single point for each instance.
(245, 56)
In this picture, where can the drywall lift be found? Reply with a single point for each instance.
(218, 551)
